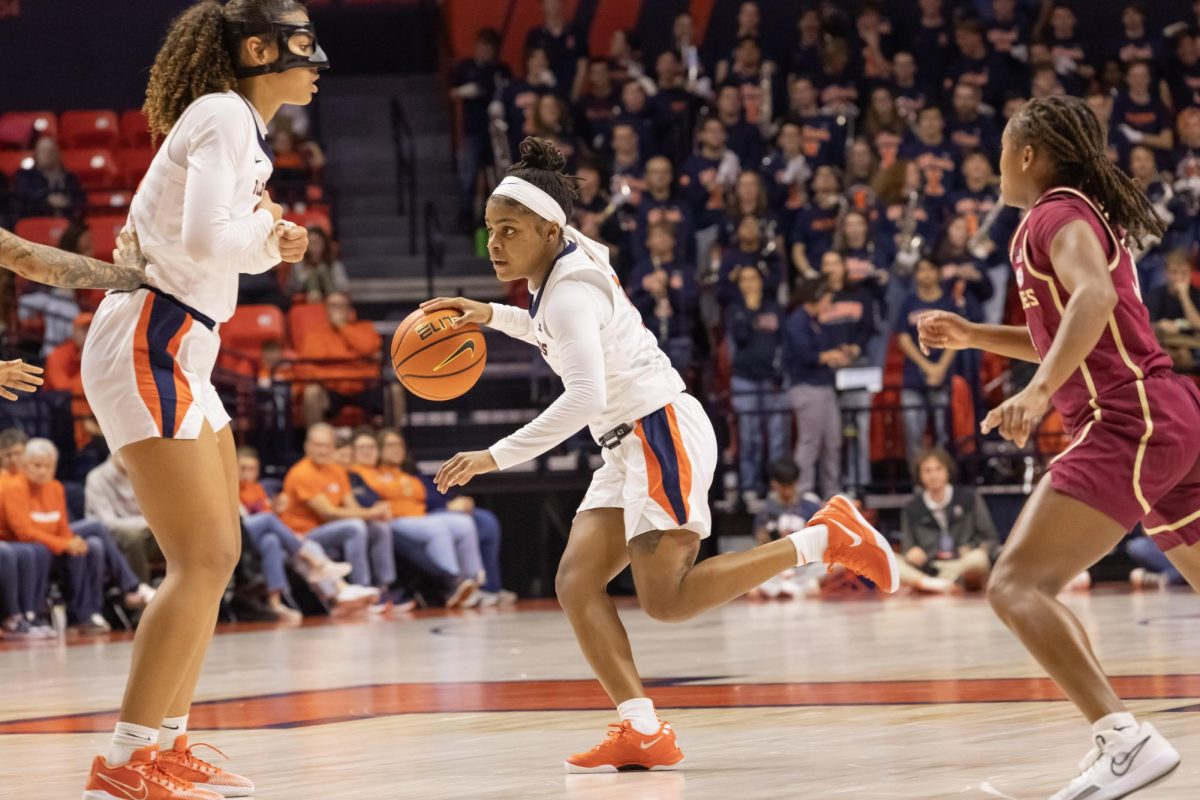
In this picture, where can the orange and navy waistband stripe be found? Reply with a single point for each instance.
(160, 380)
(668, 469)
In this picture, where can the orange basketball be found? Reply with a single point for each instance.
(435, 360)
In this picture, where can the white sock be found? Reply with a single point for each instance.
(1121, 721)
(640, 713)
(126, 738)
(172, 728)
(810, 544)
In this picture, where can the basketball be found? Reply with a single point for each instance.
(435, 360)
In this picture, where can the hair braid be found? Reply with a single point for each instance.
(1075, 142)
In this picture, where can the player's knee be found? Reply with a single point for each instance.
(663, 607)
(574, 584)
(1007, 591)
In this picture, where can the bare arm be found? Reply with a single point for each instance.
(944, 329)
(1080, 264)
(49, 265)
(1011, 341)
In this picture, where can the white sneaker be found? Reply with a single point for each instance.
(98, 621)
(353, 594)
(1120, 763)
(328, 571)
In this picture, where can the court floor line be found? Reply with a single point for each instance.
(324, 706)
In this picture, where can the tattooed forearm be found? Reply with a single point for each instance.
(54, 267)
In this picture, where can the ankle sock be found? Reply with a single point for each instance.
(126, 738)
(639, 712)
(172, 728)
(810, 544)
(1121, 721)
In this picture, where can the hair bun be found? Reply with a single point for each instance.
(540, 154)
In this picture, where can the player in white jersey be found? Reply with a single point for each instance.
(203, 216)
(648, 504)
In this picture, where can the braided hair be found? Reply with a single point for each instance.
(542, 165)
(1068, 132)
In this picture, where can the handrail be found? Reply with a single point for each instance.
(435, 245)
(406, 170)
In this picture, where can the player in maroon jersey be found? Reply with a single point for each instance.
(1133, 455)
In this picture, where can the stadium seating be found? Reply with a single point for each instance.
(135, 130)
(13, 160)
(251, 327)
(89, 129)
(133, 163)
(20, 128)
(42, 230)
(312, 216)
(96, 169)
(104, 234)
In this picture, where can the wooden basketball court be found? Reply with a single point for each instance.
(914, 698)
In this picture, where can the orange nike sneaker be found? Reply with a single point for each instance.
(627, 750)
(142, 778)
(179, 762)
(856, 545)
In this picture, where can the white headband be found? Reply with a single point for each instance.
(532, 198)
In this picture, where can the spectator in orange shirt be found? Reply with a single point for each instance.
(33, 508)
(344, 356)
(445, 545)
(276, 543)
(63, 375)
(321, 508)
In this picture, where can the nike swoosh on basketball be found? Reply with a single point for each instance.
(1127, 761)
(651, 743)
(139, 792)
(857, 539)
(467, 346)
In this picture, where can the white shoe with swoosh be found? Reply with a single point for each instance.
(1121, 763)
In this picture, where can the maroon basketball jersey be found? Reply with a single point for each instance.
(1128, 351)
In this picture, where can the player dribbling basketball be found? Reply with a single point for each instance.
(648, 504)
(1133, 455)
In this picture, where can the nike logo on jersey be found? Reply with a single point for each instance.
(651, 743)
(467, 346)
(139, 792)
(1121, 765)
(853, 536)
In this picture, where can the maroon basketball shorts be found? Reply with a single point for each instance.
(1138, 459)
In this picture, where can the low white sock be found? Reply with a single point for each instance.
(810, 544)
(126, 738)
(172, 728)
(1121, 721)
(639, 712)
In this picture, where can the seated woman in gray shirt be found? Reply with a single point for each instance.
(948, 540)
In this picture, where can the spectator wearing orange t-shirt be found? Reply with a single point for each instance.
(276, 543)
(445, 545)
(33, 508)
(321, 508)
(343, 357)
(63, 375)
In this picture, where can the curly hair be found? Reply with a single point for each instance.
(1073, 138)
(198, 56)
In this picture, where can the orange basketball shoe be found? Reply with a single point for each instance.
(142, 778)
(856, 545)
(180, 763)
(626, 750)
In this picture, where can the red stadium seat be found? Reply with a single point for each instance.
(251, 327)
(97, 128)
(109, 201)
(22, 128)
(135, 130)
(313, 216)
(13, 160)
(96, 169)
(42, 230)
(104, 234)
(133, 162)
(302, 316)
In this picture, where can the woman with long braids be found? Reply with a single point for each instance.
(1134, 454)
(202, 216)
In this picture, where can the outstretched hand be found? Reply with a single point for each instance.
(942, 330)
(19, 376)
(1017, 416)
(460, 469)
(471, 310)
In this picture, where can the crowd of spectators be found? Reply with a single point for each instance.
(351, 527)
(780, 214)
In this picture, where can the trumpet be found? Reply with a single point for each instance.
(977, 245)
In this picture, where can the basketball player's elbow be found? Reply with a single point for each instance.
(589, 399)
(1097, 299)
